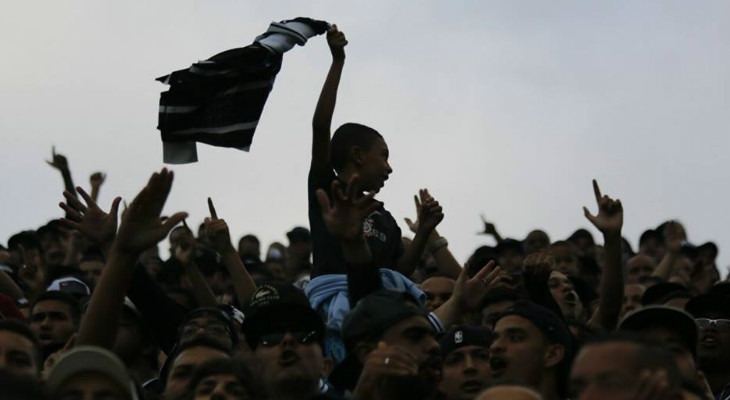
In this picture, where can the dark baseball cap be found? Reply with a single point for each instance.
(657, 293)
(464, 335)
(703, 305)
(672, 319)
(549, 323)
(299, 234)
(279, 307)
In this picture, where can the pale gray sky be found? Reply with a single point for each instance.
(507, 108)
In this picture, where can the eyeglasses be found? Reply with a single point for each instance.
(273, 339)
(723, 324)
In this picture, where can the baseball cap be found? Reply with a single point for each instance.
(673, 319)
(277, 307)
(298, 234)
(710, 247)
(464, 335)
(657, 293)
(82, 359)
(716, 304)
(549, 323)
(70, 285)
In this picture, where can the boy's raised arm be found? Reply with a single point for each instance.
(326, 105)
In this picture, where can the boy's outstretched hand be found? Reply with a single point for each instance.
(345, 215)
(141, 226)
(610, 217)
(337, 42)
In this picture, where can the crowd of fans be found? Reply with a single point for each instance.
(349, 308)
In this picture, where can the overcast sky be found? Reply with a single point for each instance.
(506, 108)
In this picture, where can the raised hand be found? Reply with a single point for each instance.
(610, 217)
(345, 215)
(430, 212)
(217, 231)
(58, 161)
(97, 179)
(98, 226)
(673, 237)
(337, 42)
(384, 361)
(471, 291)
(141, 226)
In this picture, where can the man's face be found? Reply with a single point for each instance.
(652, 248)
(205, 325)
(92, 270)
(638, 267)
(182, 368)
(373, 168)
(300, 250)
(416, 336)
(536, 241)
(179, 235)
(493, 309)
(565, 259)
(674, 344)
(564, 294)
(91, 385)
(291, 359)
(53, 249)
(511, 392)
(465, 372)
(518, 351)
(632, 298)
(17, 355)
(220, 387)
(511, 260)
(249, 248)
(714, 347)
(605, 371)
(51, 321)
(438, 290)
(129, 342)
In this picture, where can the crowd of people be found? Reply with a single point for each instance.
(349, 308)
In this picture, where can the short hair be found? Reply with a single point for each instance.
(93, 253)
(73, 305)
(652, 354)
(200, 341)
(348, 136)
(27, 239)
(249, 238)
(24, 330)
(233, 367)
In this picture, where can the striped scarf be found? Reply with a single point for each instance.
(219, 101)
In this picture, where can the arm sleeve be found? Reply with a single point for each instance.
(159, 312)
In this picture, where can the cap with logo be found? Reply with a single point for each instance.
(465, 335)
(277, 308)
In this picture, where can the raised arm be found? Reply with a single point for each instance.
(184, 252)
(322, 121)
(673, 246)
(430, 214)
(59, 162)
(220, 239)
(437, 245)
(96, 180)
(141, 228)
(344, 216)
(609, 221)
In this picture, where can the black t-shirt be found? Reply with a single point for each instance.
(380, 229)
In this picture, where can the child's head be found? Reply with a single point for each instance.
(361, 150)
